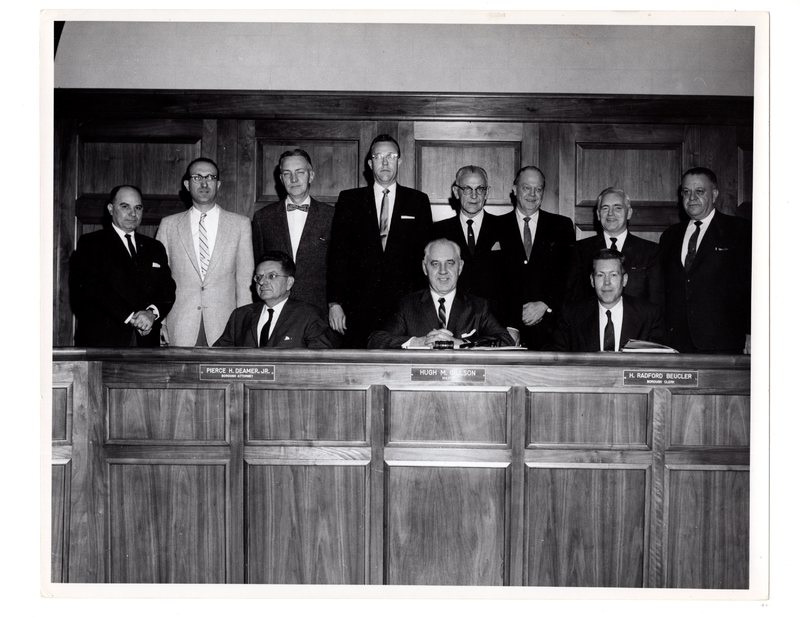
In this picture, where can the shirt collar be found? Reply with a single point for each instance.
(620, 238)
(477, 219)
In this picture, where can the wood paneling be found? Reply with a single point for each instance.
(710, 420)
(177, 506)
(167, 414)
(449, 416)
(306, 524)
(707, 528)
(306, 415)
(585, 527)
(59, 521)
(601, 420)
(62, 413)
(445, 525)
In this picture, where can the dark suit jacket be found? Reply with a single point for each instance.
(708, 309)
(299, 326)
(542, 278)
(642, 264)
(416, 316)
(107, 285)
(365, 280)
(484, 271)
(271, 233)
(578, 327)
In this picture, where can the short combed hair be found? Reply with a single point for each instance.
(532, 168)
(297, 152)
(613, 191)
(113, 195)
(201, 160)
(701, 171)
(609, 254)
(442, 241)
(384, 137)
(471, 169)
(283, 258)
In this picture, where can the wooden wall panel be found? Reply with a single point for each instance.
(600, 419)
(707, 540)
(62, 413)
(715, 147)
(180, 506)
(585, 527)
(445, 525)
(59, 521)
(159, 414)
(306, 524)
(448, 416)
(709, 420)
(290, 414)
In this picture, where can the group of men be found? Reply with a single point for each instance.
(375, 271)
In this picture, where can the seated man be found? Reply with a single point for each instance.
(277, 321)
(610, 320)
(439, 312)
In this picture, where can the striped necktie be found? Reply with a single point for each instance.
(442, 314)
(204, 254)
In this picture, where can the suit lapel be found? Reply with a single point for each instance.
(630, 324)
(253, 318)
(185, 236)
(280, 222)
(710, 241)
(222, 241)
(311, 230)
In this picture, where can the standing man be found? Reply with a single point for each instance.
(378, 236)
(707, 266)
(299, 226)
(477, 234)
(609, 319)
(537, 246)
(120, 280)
(642, 263)
(210, 251)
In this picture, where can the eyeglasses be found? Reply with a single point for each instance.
(198, 178)
(389, 156)
(298, 173)
(269, 276)
(479, 191)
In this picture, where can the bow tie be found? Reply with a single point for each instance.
(292, 206)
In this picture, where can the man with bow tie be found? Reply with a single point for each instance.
(300, 226)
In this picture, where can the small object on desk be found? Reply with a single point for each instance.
(442, 345)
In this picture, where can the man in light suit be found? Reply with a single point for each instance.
(277, 321)
(440, 312)
(478, 235)
(707, 267)
(642, 263)
(120, 281)
(608, 320)
(210, 252)
(537, 246)
(377, 240)
(299, 226)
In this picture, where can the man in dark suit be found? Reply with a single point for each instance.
(120, 281)
(707, 267)
(642, 263)
(537, 246)
(377, 241)
(299, 226)
(440, 312)
(477, 233)
(277, 321)
(609, 319)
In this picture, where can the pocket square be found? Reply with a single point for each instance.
(407, 217)
(496, 246)
(720, 248)
(323, 239)
(156, 265)
(287, 338)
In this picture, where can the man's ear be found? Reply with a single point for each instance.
(289, 282)
(624, 279)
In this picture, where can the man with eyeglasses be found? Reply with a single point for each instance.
(378, 236)
(642, 264)
(300, 226)
(210, 252)
(537, 246)
(706, 264)
(477, 233)
(276, 321)
(120, 281)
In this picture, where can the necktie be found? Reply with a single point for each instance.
(292, 206)
(691, 252)
(131, 248)
(203, 242)
(263, 338)
(384, 225)
(442, 314)
(527, 239)
(614, 244)
(470, 237)
(608, 334)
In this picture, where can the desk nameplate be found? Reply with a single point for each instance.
(448, 374)
(237, 372)
(659, 377)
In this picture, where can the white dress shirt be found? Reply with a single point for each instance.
(211, 223)
(532, 224)
(121, 233)
(620, 239)
(616, 320)
(276, 312)
(690, 230)
(477, 221)
(297, 220)
(378, 192)
(448, 303)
